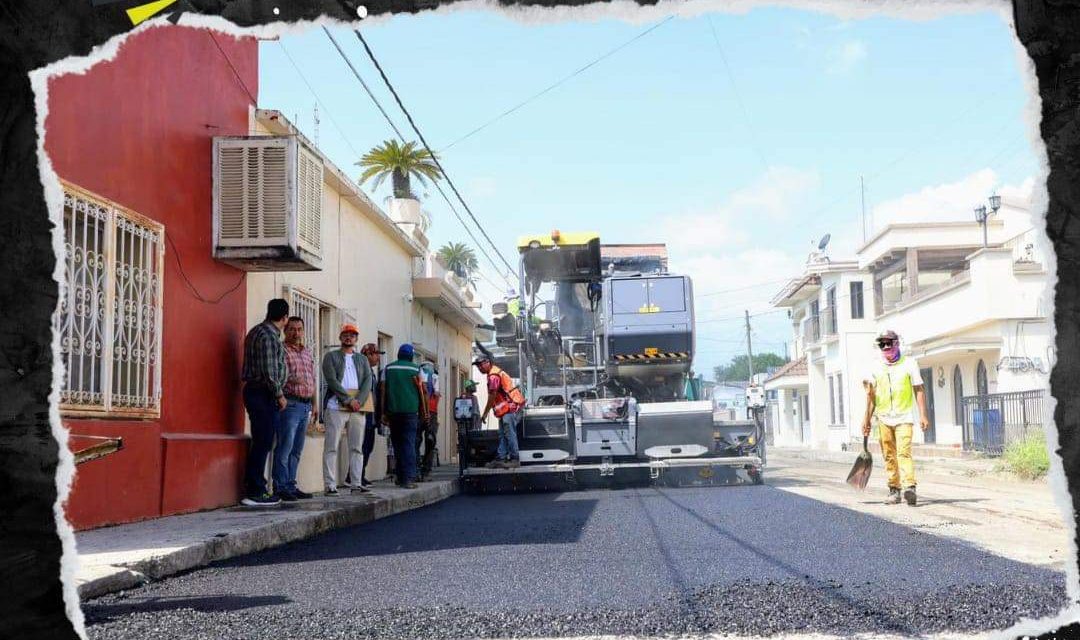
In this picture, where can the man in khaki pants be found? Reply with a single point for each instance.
(348, 400)
(891, 395)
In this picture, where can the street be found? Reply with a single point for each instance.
(746, 560)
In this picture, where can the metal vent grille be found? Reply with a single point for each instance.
(252, 192)
(309, 201)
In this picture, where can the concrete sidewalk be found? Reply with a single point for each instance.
(124, 556)
(951, 465)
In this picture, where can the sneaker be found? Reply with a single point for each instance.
(410, 485)
(909, 496)
(331, 492)
(894, 496)
(302, 495)
(265, 500)
(360, 489)
(494, 464)
(364, 482)
(512, 463)
(287, 496)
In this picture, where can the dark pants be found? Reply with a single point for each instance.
(403, 436)
(263, 413)
(425, 435)
(370, 427)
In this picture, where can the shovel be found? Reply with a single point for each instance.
(860, 471)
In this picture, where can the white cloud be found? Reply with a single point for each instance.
(844, 58)
(952, 201)
(773, 196)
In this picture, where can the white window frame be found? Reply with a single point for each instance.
(123, 234)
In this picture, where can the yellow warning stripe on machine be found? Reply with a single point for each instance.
(653, 356)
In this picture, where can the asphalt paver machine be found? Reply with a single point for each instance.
(602, 344)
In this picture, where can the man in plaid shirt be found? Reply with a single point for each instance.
(265, 374)
(300, 405)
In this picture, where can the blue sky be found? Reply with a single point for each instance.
(652, 143)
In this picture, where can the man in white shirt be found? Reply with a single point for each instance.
(348, 400)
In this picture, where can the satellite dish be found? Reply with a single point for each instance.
(824, 241)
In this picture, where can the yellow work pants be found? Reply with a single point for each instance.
(896, 448)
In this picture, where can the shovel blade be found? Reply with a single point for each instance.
(860, 471)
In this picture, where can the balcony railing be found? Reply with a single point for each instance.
(1025, 248)
(995, 420)
(812, 330)
(828, 322)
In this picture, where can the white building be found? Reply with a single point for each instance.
(817, 398)
(377, 272)
(975, 318)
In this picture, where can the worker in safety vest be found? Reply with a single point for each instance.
(508, 403)
(893, 391)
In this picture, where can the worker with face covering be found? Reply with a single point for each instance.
(892, 392)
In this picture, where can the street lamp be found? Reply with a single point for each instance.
(982, 215)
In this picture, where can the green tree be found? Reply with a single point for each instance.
(401, 162)
(737, 371)
(461, 259)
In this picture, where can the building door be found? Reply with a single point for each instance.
(930, 435)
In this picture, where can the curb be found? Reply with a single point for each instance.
(274, 534)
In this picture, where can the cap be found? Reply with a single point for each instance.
(887, 334)
(349, 328)
(480, 359)
(470, 385)
(405, 352)
(370, 347)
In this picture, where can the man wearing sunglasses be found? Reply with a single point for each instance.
(892, 394)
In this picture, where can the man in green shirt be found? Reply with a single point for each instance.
(892, 392)
(404, 403)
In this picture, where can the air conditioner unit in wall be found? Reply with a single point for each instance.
(267, 204)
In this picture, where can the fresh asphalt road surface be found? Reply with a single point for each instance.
(643, 561)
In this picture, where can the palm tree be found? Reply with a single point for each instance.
(460, 258)
(400, 162)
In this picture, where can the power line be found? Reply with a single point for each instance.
(333, 121)
(423, 141)
(738, 97)
(743, 288)
(235, 72)
(560, 82)
(401, 137)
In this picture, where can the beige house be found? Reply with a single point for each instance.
(377, 272)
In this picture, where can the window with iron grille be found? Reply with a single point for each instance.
(309, 309)
(109, 320)
(832, 401)
(840, 396)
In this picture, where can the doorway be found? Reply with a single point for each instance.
(930, 435)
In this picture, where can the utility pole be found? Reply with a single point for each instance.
(749, 350)
(862, 190)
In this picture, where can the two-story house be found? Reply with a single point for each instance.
(975, 317)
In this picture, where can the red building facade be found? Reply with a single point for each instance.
(153, 328)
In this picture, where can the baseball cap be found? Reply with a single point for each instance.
(370, 347)
(349, 328)
(887, 334)
(470, 385)
(405, 352)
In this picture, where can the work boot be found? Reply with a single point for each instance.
(894, 496)
(909, 496)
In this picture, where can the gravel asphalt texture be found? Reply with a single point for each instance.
(647, 562)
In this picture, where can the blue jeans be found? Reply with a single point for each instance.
(403, 436)
(291, 434)
(263, 413)
(508, 444)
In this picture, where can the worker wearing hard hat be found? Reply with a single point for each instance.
(507, 402)
(892, 392)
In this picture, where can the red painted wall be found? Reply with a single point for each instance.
(138, 130)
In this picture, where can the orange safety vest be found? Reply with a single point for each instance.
(510, 396)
